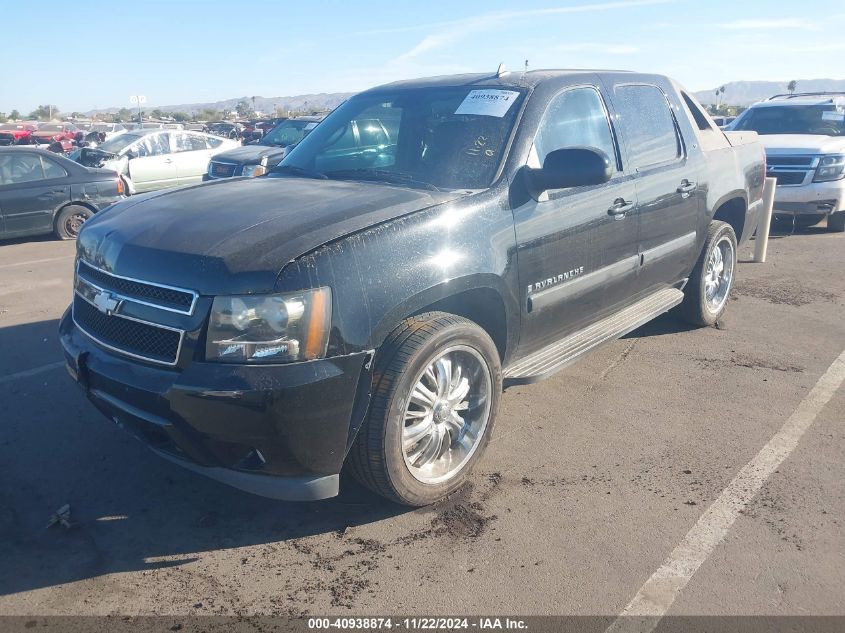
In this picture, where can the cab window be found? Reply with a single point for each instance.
(575, 118)
(648, 124)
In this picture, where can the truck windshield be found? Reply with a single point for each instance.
(288, 133)
(450, 138)
(824, 120)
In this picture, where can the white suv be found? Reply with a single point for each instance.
(804, 137)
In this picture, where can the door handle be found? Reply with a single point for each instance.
(620, 207)
(686, 187)
(168, 160)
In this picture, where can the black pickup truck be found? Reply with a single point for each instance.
(366, 309)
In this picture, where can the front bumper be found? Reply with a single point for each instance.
(811, 199)
(279, 431)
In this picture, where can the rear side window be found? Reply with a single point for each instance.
(575, 118)
(648, 125)
(51, 169)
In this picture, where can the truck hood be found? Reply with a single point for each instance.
(802, 144)
(235, 236)
(248, 154)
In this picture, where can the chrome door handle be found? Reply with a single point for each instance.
(686, 187)
(620, 206)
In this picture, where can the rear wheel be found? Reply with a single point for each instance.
(70, 220)
(806, 221)
(836, 222)
(706, 293)
(437, 386)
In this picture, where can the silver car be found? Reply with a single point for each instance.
(155, 159)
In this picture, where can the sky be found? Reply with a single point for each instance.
(97, 53)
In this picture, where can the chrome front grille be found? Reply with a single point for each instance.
(132, 337)
(792, 169)
(99, 311)
(146, 293)
(788, 177)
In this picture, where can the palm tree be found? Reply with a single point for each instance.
(719, 92)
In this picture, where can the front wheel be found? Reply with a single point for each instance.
(706, 293)
(437, 385)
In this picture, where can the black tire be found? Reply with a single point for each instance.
(70, 220)
(836, 222)
(376, 458)
(806, 221)
(695, 307)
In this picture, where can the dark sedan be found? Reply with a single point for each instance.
(41, 192)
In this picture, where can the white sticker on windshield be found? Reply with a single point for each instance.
(311, 126)
(487, 102)
(830, 115)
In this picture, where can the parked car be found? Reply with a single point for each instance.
(108, 130)
(155, 159)
(16, 134)
(366, 304)
(55, 132)
(226, 129)
(256, 159)
(43, 193)
(804, 137)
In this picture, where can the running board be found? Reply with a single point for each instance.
(554, 357)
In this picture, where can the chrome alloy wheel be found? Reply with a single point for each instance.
(718, 276)
(446, 414)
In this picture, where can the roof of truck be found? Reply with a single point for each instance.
(509, 78)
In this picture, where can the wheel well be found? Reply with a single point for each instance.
(732, 212)
(482, 306)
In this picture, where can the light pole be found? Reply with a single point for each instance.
(139, 99)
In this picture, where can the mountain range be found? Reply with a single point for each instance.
(745, 93)
(322, 102)
(736, 93)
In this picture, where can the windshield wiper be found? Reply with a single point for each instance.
(299, 171)
(383, 175)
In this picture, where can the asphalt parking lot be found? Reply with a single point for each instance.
(593, 479)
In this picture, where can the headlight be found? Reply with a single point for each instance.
(270, 328)
(830, 168)
(250, 171)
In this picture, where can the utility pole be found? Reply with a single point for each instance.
(139, 99)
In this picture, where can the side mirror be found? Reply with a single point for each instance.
(131, 154)
(571, 167)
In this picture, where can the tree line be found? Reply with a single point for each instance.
(244, 110)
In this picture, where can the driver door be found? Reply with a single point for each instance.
(577, 247)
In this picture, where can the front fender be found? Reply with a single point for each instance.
(392, 270)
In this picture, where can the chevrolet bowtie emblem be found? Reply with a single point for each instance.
(106, 303)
